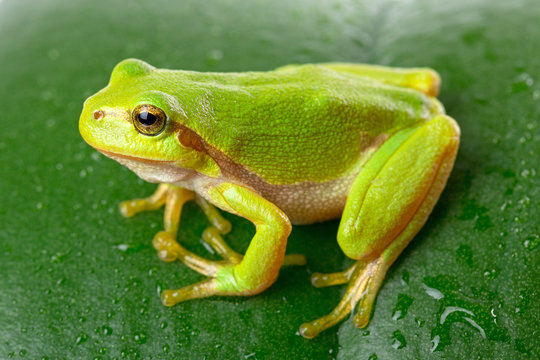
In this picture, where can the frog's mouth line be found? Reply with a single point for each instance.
(116, 156)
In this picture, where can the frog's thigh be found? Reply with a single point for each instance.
(264, 256)
(395, 185)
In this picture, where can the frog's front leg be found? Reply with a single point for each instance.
(388, 203)
(174, 198)
(259, 267)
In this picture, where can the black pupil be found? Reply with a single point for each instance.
(147, 118)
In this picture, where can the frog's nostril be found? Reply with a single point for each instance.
(98, 114)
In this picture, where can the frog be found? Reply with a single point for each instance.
(297, 145)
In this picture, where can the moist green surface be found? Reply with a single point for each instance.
(79, 281)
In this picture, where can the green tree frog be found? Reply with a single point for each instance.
(297, 145)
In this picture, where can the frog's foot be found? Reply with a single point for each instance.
(364, 280)
(221, 279)
(174, 198)
(155, 201)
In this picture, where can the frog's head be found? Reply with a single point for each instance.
(136, 122)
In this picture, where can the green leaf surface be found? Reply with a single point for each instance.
(79, 281)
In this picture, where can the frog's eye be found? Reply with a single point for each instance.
(148, 119)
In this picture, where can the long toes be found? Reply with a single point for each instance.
(201, 289)
(128, 208)
(164, 243)
(361, 318)
(212, 237)
(322, 280)
(310, 330)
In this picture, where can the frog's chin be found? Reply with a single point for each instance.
(155, 171)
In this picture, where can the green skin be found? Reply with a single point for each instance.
(299, 144)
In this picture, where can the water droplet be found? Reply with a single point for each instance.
(531, 242)
(436, 339)
(451, 309)
(398, 340)
(474, 324)
(105, 330)
(522, 83)
(434, 293)
(22, 353)
(166, 348)
(491, 273)
(140, 338)
(163, 325)
(214, 57)
(456, 307)
(402, 306)
(81, 338)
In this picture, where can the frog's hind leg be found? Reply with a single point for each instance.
(425, 80)
(388, 203)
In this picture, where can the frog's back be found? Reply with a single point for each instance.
(298, 135)
(303, 124)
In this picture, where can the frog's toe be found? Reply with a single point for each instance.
(165, 245)
(338, 278)
(212, 236)
(363, 281)
(169, 250)
(201, 289)
(155, 201)
(213, 215)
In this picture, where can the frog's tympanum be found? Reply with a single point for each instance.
(297, 145)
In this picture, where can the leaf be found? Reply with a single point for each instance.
(80, 281)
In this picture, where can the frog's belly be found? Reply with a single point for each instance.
(309, 202)
(304, 203)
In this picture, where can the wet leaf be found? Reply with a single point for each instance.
(78, 280)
